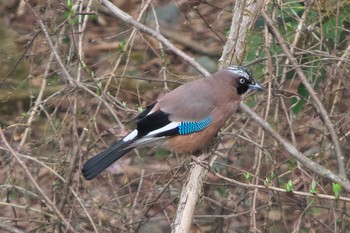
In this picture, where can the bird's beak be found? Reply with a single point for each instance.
(255, 86)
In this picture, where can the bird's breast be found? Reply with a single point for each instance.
(192, 142)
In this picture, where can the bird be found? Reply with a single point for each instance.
(184, 120)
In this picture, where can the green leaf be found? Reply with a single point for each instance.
(337, 188)
(267, 181)
(313, 187)
(247, 176)
(222, 191)
(273, 175)
(121, 45)
(65, 39)
(92, 17)
(99, 88)
(69, 4)
(289, 186)
(140, 109)
(298, 103)
(215, 167)
(12, 194)
(25, 114)
(74, 20)
(57, 123)
(83, 64)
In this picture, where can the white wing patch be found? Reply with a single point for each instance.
(167, 127)
(148, 137)
(130, 136)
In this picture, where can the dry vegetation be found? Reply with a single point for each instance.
(54, 116)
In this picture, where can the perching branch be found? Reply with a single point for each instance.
(190, 194)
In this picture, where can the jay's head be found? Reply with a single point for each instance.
(243, 79)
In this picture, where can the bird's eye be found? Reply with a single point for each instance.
(242, 80)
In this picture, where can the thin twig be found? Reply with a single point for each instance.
(139, 26)
(163, 69)
(320, 108)
(67, 76)
(133, 207)
(33, 180)
(308, 163)
(270, 188)
(53, 48)
(208, 25)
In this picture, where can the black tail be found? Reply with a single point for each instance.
(101, 161)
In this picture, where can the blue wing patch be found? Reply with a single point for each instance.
(188, 127)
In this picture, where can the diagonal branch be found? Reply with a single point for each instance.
(311, 165)
(41, 192)
(319, 106)
(141, 27)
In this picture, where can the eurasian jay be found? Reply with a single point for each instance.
(184, 120)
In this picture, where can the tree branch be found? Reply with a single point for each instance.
(311, 165)
(243, 19)
(319, 106)
(41, 192)
(141, 27)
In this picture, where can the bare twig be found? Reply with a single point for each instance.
(31, 158)
(163, 69)
(139, 26)
(163, 190)
(132, 211)
(68, 77)
(126, 47)
(9, 228)
(53, 48)
(32, 179)
(320, 108)
(77, 148)
(271, 188)
(208, 25)
(308, 163)
(297, 37)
